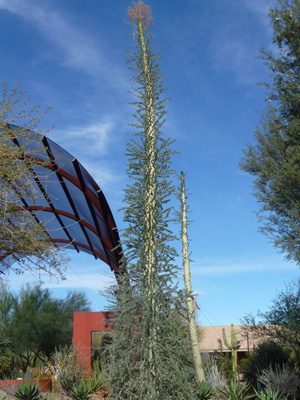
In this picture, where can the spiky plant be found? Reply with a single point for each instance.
(28, 391)
(149, 354)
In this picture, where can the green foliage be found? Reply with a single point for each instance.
(282, 378)
(274, 159)
(281, 321)
(22, 239)
(269, 394)
(28, 391)
(3, 395)
(69, 365)
(150, 353)
(36, 323)
(204, 391)
(267, 354)
(235, 390)
(4, 357)
(81, 391)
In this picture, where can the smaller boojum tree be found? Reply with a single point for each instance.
(190, 301)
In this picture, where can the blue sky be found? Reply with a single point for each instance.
(71, 56)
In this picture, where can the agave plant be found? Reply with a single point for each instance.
(81, 391)
(235, 391)
(204, 391)
(269, 394)
(28, 391)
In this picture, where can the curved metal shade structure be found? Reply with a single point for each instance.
(81, 217)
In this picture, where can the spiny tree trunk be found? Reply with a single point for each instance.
(150, 229)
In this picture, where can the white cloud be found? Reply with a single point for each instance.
(88, 139)
(223, 267)
(106, 178)
(83, 281)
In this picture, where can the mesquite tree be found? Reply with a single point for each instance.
(274, 158)
(150, 356)
(23, 236)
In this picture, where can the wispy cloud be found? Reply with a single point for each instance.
(234, 54)
(235, 49)
(92, 139)
(83, 281)
(261, 8)
(78, 50)
(108, 179)
(93, 145)
(221, 267)
(75, 279)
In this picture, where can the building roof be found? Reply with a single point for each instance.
(71, 202)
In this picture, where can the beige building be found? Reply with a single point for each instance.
(211, 339)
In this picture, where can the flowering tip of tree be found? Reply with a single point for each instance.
(140, 11)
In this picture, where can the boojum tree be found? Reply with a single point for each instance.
(150, 356)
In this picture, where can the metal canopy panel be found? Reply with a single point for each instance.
(71, 202)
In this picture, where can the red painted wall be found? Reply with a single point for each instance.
(12, 384)
(84, 323)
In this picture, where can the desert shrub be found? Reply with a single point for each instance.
(3, 395)
(213, 375)
(69, 366)
(266, 354)
(280, 378)
(96, 380)
(234, 390)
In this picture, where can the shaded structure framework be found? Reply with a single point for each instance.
(72, 206)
